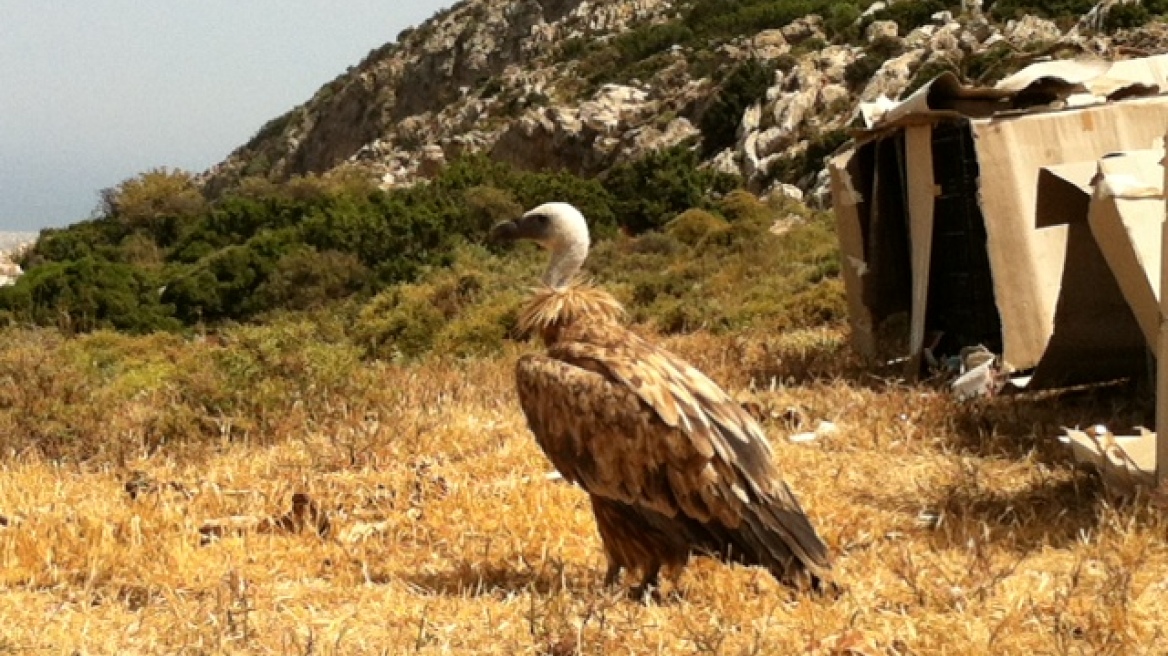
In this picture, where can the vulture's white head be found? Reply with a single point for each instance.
(558, 227)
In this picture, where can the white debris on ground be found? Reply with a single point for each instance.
(823, 429)
(979, 373)
(1126, 463)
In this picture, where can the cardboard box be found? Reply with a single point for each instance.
(965, 216)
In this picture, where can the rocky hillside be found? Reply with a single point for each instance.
(763, 87)
(12, 245)
(646, 114)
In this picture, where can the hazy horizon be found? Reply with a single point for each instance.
(93, 93)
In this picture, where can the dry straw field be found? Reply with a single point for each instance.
(956, 529)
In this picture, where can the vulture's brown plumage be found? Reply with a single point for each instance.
(672, 464)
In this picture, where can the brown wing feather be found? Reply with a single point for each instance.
(633, 423)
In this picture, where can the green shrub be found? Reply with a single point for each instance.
(1126, 16)
(225, 285)
(305, 278)
(88, 294)
(270, 130)
(802, 169)
(742, 206)
(482, 328)
(650, 191)
(992, 65)
(722, 19)
(842, 22)
(859, 72)
(643, 42)
(746, 85)
(95, 238)
(926, 73)
(158, 201)
(399, 323)
(692, 226)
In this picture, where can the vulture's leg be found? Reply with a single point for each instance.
(649, 583)
(612, 574)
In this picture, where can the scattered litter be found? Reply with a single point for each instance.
(981, 374)
(1125, 462)
(792, 417)
(976, 382)
(754, 409)
(930, 519)
(824, 429)
(973, 357)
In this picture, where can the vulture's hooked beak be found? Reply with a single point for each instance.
(533, 228)
(505, 231)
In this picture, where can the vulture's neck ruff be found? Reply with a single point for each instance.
(551, 310)
(564, 298)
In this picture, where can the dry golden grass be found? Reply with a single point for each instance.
(956, 529)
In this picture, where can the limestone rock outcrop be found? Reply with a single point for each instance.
(517, 80)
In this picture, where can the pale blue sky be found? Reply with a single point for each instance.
(95, 91)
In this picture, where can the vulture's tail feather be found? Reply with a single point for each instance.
(782, 541)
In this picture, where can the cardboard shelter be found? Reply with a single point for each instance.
(1026, 217)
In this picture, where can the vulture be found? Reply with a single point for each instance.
(673, 466)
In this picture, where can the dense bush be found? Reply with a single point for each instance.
(691, 227)
(1125, 16)
(158, 257)
(157, 201)
(746, 85)
(86, 294)
(859, 72)
(650, 191)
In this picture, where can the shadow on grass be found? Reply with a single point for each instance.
(817, 362)
(969, 514)
(1055, 513)
(1028, 425)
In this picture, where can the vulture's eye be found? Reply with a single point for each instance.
(541, 219)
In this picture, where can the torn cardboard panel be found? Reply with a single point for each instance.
(1014, 234)
(1027, 261)
(1054, 84)
(1120, 196)
(848, 172)
(1126, 216)
(1095, 336)
(921, 204)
